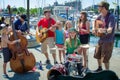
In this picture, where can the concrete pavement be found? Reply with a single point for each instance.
(42, 74)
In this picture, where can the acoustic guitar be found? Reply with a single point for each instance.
(44, 32)
(97, 25)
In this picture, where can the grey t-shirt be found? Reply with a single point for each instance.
(109, 20)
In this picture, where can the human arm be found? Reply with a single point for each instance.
(87, 30)
(52, 25)
(52, 28)
(78, 46)
(111, 24)
(10, 42)
(39, 26)
(64, 36)
(66, 44)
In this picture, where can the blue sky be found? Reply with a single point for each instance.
(42, 3)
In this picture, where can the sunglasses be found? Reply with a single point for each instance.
(100, 6)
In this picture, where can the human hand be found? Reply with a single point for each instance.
(19, 40)
(101, 30)
(93, 31)
(65, 47)
(109, 30)
(53, 28)
(40, 34)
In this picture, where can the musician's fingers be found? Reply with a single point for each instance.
(93, 31)
(39, 34)
(109, 30)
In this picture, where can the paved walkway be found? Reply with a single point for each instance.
(42, 74)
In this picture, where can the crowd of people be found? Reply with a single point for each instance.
(68, 39)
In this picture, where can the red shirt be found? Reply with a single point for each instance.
(44, 24)
(83, 27)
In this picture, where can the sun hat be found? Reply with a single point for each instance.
(72, 30)
(46, 10)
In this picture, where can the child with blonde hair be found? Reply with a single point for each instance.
(72, 45)
(68, 25)
(59, 39)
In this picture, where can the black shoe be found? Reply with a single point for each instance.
(61, 63)
(47, 62)
(98, 70)
(55, 62)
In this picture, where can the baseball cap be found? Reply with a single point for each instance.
(72, 30)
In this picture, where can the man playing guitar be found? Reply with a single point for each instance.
(103, 51)
(49, 24)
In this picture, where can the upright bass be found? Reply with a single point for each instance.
(22, 60)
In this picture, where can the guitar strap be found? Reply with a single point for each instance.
(49, 23)
(106, 19)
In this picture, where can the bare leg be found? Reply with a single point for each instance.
(80, 51)
(63, 54)
(54, 56)
(46, 55)
(4, 68)
(60, 52)
(85, 57)
(99, 62)
(106, 66)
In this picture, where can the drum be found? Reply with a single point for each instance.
(74, 58)
(55, 71)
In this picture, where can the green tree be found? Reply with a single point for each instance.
(14, 10)
(33, 11)
(22, 10)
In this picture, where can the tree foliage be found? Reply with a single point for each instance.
(33, 11)
(22, 10)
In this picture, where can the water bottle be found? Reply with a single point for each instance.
(40, 66)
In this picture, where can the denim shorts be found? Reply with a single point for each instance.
(6, 54)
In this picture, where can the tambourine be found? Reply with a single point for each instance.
(74, 58)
